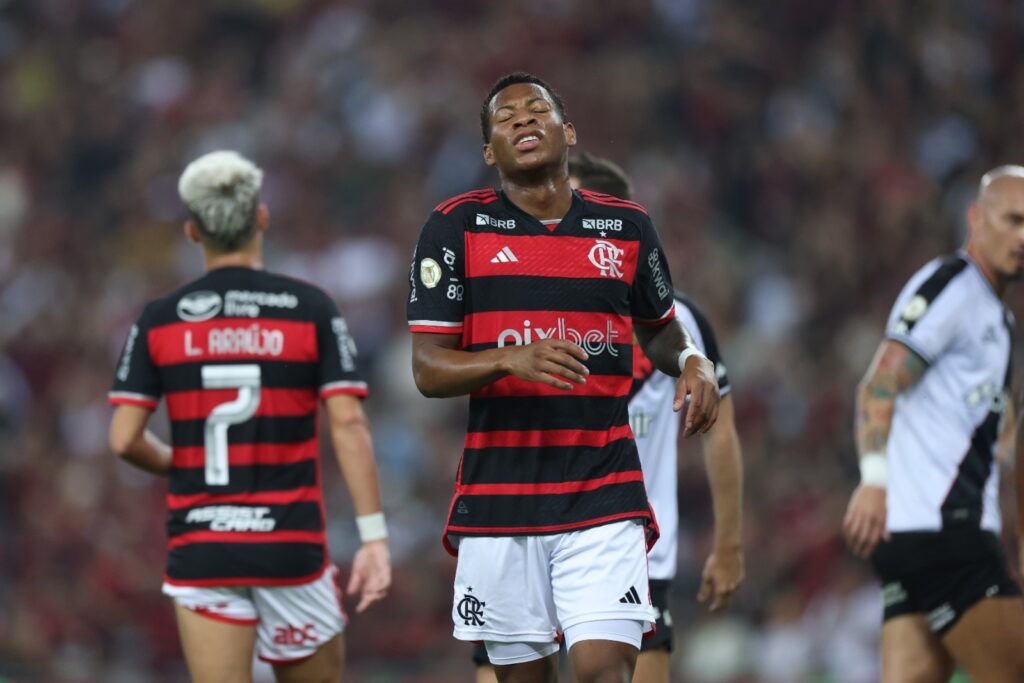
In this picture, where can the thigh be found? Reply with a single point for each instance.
(216, 651)
(323, 666)
(296, 622)
(988, 640)
(912, 653)
(603, 660)
(503, 590)
(600, 574)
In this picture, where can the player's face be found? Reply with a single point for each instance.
(527, 132)
(997, 227)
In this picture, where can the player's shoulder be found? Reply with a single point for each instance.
(613, 206)
(466, 202)
(943, 275)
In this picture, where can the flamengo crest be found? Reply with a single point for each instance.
(607, 257)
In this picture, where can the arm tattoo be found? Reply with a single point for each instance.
(894, 369)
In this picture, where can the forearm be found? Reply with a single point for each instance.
(724, 463)
(662, 345)
(875, 405)
(149, 453)
(442, 372)
(353, 448)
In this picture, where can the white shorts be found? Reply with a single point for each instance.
(291, 622)
(528, 589)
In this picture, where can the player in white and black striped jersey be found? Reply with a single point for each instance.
(933, 415)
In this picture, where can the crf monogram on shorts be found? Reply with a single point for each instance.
(471, 610)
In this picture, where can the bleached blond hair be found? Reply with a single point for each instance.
(221, 191)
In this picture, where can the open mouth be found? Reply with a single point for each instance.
(526, 142)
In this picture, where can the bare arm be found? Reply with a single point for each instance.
(723, 570)
(441, 369)
(894, 369)
(131, 441)
(663, 345)
(353, 448)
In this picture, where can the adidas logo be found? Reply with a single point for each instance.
(505, 256)
(631, 597)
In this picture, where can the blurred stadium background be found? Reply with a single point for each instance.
(800, 157)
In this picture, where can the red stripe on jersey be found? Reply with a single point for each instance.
(596, 385)
(246, 537)
(305, 494)
(223, 339)
(197, 405)
(434, 329)
(540, 438)
(593, 331)
(348, 388)
(609, 200)
(469, 200)
(553, 488)
(448, 204)
(251, 454)
(670, 314)
(550, 256)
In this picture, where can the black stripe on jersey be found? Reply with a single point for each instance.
(292, 517)
(707, 335)
(205, 561)
(599, 364)
(530, 293)
(185, 433)
(560, 412)
(547, 465)
(482, 513)
(246, 478)
(964, 502)
(273, 375)
(929, 290)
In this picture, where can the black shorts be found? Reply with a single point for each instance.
(941, 574)
(662, 638)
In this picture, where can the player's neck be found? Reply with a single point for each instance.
(233, 259)
(547, 198)
(998, 284)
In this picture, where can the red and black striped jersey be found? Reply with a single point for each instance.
(241, 357)
(537, 459)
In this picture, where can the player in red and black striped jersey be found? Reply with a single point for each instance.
(527, 299)
(243, 357)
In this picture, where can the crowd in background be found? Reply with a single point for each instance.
(801, 159)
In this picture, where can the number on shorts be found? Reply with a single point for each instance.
(245, 378)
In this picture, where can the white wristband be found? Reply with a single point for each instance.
(372, 527)
(874, 470)
(686, 353)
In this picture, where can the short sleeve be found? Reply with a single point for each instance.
(136, 380)
(691, 315)
(337, 372)
(437, 278)
(652, 301)
(928, 313)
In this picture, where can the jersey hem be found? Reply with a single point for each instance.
(651, 525)
(435, 329)
(248, 581)
(124, 398)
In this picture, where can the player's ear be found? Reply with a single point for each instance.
(191, 231)
(488, 155)
(262, 217)
(973, 218)
(570, 134)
